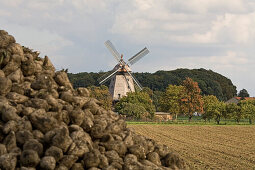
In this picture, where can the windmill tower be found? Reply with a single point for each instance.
(122, 80)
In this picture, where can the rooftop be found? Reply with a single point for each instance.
(245, 98)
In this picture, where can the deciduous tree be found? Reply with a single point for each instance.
(137, 98)
(193, 101)
(213, 108)
(172, 100)
(217, 110)
(207, 102)
(133, 110)
(102, 94)
(248, 110)
(243, 93)
(156, 99)
(234, 111)
(148, 91)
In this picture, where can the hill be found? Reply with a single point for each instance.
(210, 82)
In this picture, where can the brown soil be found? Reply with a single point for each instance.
(207, 147)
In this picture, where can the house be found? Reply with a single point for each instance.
(163, 116)
(236, 100)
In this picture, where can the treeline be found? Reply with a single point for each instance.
(217, 110)
(185, 100)
(210, 83)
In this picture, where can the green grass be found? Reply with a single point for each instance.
(196, 120)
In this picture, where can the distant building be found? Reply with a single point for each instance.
(236, 100)
(163, 116)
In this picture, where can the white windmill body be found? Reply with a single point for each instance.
(121, 84)
(122, 81)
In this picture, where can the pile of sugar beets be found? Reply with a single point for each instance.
(46, 124)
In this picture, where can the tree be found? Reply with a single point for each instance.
(171, 101)
(156, 99)
(133, 110)
(207, 102)
(82, 79)
(243, 93)
(102, 94)
(137, 98)
(217, 111)
(213, 108)
(210, 83)
(193, 99)
(248, 110)
(148, 91)
(234, 111)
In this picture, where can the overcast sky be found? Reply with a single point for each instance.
(211, 34)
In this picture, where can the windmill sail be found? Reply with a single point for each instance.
(127, 82)
(138, 56)
(112, 49)
(107, 76)
(122, 80)
(136, 81)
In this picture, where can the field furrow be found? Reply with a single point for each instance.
(207, 147)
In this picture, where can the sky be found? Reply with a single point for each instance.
(211, 34)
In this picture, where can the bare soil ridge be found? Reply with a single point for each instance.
(207, 147)
(46, 124)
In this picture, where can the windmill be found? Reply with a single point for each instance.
(122, 80)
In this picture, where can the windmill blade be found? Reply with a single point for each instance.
(112, 49)
(107, 76)
(127, 83)
(138, 56)
(136, 81)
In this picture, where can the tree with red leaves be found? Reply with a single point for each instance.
(193, 101)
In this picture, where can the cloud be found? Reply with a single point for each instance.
(40, 40)
(229, 28)
(227, 61)
(212, 34)
(210, 6)
(4, 13)
(208, 21)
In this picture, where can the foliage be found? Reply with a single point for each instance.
(234, 111)
(193, 100)
(133, 110)
(102, 94)
(210, 83)
(247, 102)
(207, 102)
(82, 79)
(137, 98)
(217, 110)
(243, 93)
(248, 110)
(148, 91)
(156, 99)
(172, 100)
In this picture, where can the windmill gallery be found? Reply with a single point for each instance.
(122, 80)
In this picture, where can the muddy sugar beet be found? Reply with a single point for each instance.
(46, 124)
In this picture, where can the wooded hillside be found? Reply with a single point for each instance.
(210, 82)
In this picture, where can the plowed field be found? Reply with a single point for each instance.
(207, 147)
